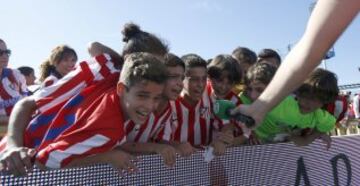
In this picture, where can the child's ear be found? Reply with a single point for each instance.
(120, 88)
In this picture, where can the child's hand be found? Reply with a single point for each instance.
(253, 140)
(327, 140)
(255, 111)
(185, 149)
(121, 161)
(299, 141)
(168, 153)
(225, 137)
(16, 160)
(219, 147)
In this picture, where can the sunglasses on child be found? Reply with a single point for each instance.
(7, 52)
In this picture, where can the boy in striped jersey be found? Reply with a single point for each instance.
(141, 139)
(223, 73)
(194, 121)
(47, 102)
(90, 125)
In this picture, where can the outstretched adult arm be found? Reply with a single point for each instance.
(327, 22)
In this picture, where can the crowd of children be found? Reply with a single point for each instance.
(147, 100)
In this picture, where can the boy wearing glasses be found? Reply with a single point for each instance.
(12, 87)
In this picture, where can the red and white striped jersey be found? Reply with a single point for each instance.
(86, 73)
(12, 89)
(193, 124)
(50, 80)
(148, 131)
(50, 100)
(338, 108)
(231, 96)
(91, 122)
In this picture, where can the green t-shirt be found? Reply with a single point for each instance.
(286, 117)
(244, 99)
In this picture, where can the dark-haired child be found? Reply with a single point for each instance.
(29, 74)
(141, 139)
(94, 120)
(270, 57)
(194, 121)
(300, 118)
(246, 58)
(223, 73)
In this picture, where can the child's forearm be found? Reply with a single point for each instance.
(240, 140)
(19, 119)
(228, 128)
(305, 140)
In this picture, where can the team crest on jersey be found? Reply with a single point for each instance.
(205, 112)
(173, 118)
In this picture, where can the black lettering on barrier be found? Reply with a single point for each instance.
(346, 160)
(301, 172)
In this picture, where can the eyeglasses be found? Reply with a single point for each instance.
(7, 52)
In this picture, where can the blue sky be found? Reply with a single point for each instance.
(206, 27)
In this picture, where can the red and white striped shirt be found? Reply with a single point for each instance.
(50, 80)
(193, 124)
(231, 96)
(338, 108)
(90, 123)
(12, 89)
(148, 131)
(50, 100)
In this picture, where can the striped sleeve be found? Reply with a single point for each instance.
(170, 124)
(49, 81)
(84, 127)
(85, 74)
(61, 152)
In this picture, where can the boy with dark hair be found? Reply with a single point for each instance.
(223, 73)
(256, 79)
(293, 115)
(246, 58)
(319, 88)
(194, 121)
(90, 125)
(141, 139)
(269, 56)
(290, 116)
(29, 74)
(48, 101)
